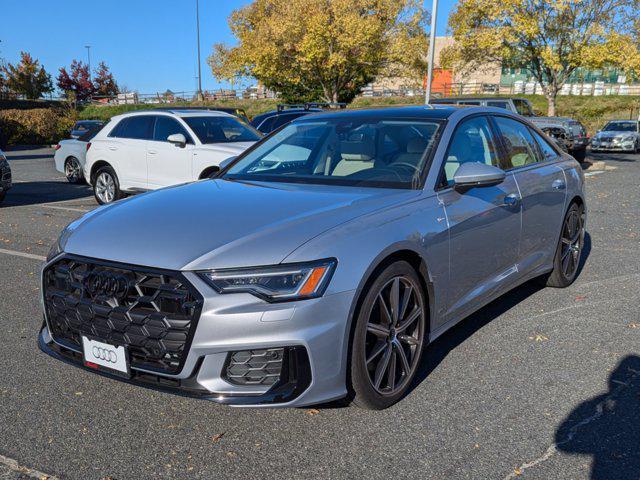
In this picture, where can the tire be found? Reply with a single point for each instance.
(399, 348)
(2, 195)
(579, 155)
(73, 171)
(569, 249)
(106, 187)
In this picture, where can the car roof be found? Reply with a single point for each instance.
(177, 112)
(456, 99)
(436, 112)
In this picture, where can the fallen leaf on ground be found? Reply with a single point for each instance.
(216, 438)
(312, 411)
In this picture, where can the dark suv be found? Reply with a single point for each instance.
(270, 121)
(570, 134)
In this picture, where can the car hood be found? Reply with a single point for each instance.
(233, 148)
(220, 223)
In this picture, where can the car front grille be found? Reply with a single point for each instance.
(153, 313)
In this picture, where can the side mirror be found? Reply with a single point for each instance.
(476, 174)
(177, 139)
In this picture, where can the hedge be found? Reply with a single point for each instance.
(35, 127)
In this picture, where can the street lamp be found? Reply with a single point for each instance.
(432, 44)
(88, 47)
(200, 97)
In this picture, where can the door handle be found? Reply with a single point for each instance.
(113, 148)
(511, 199)
(152, 152)
(558, 185)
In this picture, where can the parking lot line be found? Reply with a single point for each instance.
(23, 472)
(16, 253)
(70, 209)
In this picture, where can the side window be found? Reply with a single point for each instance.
(166, 126)
(469, 102)
(138, 127)
(547, 151)
(520, 146)
(119, 128)
(266, 126)
(522, 107)
(498, 104)
(471, 142)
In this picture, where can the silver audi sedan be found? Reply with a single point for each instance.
(321, 263)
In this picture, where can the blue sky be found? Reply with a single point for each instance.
(148, 44)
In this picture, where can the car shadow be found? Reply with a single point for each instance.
(438, 350)
(32, 193)
(611, 157)
(607, 426)
(13, 158)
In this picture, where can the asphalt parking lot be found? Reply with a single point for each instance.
(541, 384)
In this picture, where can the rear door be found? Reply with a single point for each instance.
(168, 164)
(533, 162)
(484, 222)
(128, 149)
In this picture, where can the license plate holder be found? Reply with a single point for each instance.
(104, 356)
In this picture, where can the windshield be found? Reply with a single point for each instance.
(621, 127)
(388, 153)
(221, 129)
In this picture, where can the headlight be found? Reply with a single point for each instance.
(54, 251)
(628, 138)
(278, 283)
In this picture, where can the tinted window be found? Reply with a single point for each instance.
(469, 102)
(471, 142)
(138, 127)
(498, 104)
(342, 151)
(520, 146)
(522, 107)
(221, 129)
(88, 135)
(547, 150)
(284, 119)
(266, 125)
(166, 126)
(621, 127)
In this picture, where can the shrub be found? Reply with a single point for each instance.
(35, 127)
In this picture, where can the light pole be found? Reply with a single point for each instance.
(200, 97)
(432, 44)
(88, 47)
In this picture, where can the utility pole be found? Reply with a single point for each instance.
(432, 44)
(88, 47)
(200, 96)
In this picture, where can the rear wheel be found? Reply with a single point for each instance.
(73, 170)
(388, 339)
(569, 249)
(106, 187)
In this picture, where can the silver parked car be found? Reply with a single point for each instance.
(618, 135)
(321, 262)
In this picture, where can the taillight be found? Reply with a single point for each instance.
(57, 147)
(88, 146)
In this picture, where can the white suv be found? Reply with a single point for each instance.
(145, 150)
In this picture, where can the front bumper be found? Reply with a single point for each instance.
(313, 334)
(613, 147)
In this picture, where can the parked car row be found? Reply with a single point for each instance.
(319, 263)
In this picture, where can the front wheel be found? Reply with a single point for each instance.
(73, 170)
(106, 187)
(389, 337)
(580, 154)
(569, 249)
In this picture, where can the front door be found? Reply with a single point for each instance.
(168, 164)
(484, 222)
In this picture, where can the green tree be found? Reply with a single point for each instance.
(28, 77)
(549, 38)
(327, 48)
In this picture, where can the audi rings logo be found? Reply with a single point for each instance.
(107, 283)
(105, 354)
